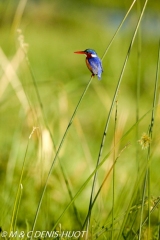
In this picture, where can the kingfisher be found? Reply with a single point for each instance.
(93, 62)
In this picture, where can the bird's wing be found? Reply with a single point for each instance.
(95, 64)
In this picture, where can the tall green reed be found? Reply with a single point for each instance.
(111, 109)
(150, 132)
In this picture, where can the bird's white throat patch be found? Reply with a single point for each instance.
(93, 55)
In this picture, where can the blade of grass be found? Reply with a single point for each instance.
(110, 111)
(155, 93)
(118, 29)
(153, 109)
(138, 77)
(105, 179)
(142, 207)
(61, 167)
(80, 190)
(135, 189)
(113, 181)
(15, 63)
(18, 204)
(130, 207)
(152, 210)
(23, 46)
(147, 177)
(91, 175)
(18, 14)
(58, 150)
(19, 190)
(71, 196)
(13, 79)
(146, 219)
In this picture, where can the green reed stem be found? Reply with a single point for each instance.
(92, 174)
(111, 108)
(139, 49)
(147, 177)
(118, 29)
(109, 115)
(19, 191)
(58, 150)
(113, 184)
(47, 126)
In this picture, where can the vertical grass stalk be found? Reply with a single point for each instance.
(58, 150)
(92, 174)
(151, 133)
(23, 46)
(113, 184)
(139, 48)
(111, 108)
(19, 190)
(118, 29)
(70, 195)
(18, 204)
(47, 126)
(147, 177)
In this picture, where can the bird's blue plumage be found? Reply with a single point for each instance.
(93, 62)
(95, 66)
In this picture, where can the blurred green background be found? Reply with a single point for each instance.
(52, 31)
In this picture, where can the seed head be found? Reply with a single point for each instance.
(145, 141)
(23, 44)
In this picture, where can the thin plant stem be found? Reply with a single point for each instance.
(138, 77)
(152, 210)
(129, 50)
(19, 190)
(139, 49)
(140, 119)
(58, 150)
(130, 206)
(118, 29)
(18, 204)
(47, 126)
(70, 194)
(92, 174)
(110, 111)
(146, 219)
(155, 94)
(147, 177)
(23, 47)
(142, 207)
(106, 177)
(113, 177)
(149, 198)
(150, 134)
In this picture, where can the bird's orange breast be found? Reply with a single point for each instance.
(88, 65)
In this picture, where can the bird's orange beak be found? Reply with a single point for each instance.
(80, 52)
